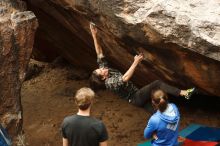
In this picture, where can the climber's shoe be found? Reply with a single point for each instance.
(190, 92)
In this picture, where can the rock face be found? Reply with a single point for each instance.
(17, 28)
(180, 39)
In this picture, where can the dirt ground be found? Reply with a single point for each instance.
(47, 99)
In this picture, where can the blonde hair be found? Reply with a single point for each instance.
(84, 98)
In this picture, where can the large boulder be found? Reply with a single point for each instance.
(180, 39)
(17, 28)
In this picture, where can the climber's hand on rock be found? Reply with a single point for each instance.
(138, 58)
(93, 28)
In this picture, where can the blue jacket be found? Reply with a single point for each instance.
(165, 125)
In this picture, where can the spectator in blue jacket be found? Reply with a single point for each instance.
(163, 125)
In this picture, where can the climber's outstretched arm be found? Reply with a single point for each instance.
(98, 48)
(127, 76)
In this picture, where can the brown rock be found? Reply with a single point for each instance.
(17, 28)
(180, 40)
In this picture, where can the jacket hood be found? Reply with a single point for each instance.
(171, 116)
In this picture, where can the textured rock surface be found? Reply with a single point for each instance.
(180, 39)
(17, 28)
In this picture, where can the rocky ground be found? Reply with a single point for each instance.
(47, 97)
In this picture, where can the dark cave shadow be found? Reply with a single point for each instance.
(198, 101)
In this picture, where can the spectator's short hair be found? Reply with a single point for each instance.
(84, 98)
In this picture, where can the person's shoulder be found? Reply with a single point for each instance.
(96, 122)
(155, 117)
(98, 126)
(175, 108)
(173, 105)
(101, 56)
(68, 119)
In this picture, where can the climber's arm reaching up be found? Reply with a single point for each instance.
(98, 48)
(127, 76)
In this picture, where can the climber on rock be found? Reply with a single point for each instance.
(115, 81)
